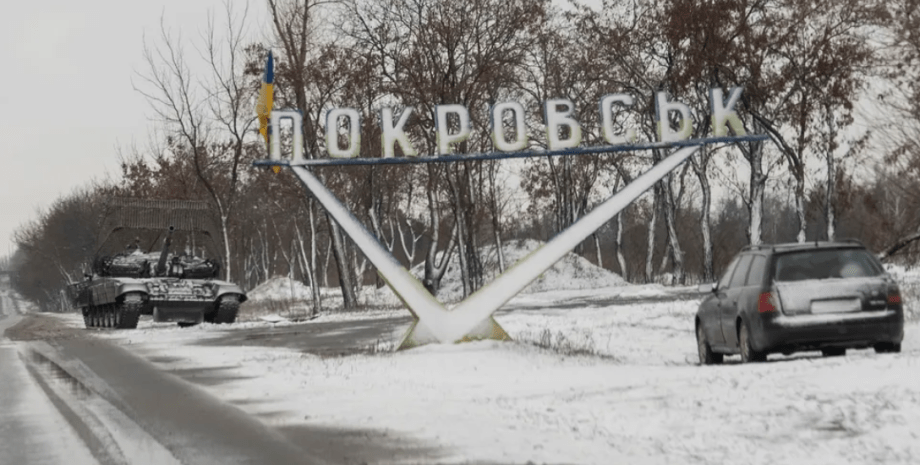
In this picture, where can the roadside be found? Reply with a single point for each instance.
(176, 408)
(599, 384)
(33, 428)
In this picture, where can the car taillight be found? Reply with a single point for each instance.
(766, 304)
(894, 297)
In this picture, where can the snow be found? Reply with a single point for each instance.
(617, 384)
(908, 279)
(290, 298)
(584, 382)
(571, 272)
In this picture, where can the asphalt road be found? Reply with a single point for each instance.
(29, 420)
(69, 398)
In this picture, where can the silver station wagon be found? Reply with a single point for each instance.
(785, 298)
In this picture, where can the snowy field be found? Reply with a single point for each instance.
(582, 383)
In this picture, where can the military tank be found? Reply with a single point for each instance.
(171, 286)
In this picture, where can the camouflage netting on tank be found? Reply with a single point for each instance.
(184, 215)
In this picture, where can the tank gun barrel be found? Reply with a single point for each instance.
(161, 263)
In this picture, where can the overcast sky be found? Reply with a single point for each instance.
(66, 96)
(67, 103)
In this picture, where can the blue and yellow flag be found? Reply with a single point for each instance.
(264, 104)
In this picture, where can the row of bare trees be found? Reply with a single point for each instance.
(804, 67)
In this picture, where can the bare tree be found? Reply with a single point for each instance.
(198, 119)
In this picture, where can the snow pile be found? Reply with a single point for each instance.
(572, 272)
(280, 288)
(908, 279)
(287, 297)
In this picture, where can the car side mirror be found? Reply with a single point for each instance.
(706, 288)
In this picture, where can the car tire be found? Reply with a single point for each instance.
(707, 356)
(888, 348)
(834, 352)
(748, 354)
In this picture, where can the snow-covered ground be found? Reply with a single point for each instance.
(582, 383)
(292, 299)
(646, 402)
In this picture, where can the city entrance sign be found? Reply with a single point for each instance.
(472, 318)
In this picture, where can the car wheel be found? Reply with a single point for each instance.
(707, 356)
(888, 347)
(748, 354)
(834, 352)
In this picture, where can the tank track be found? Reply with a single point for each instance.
(226, 311)
(120, 316)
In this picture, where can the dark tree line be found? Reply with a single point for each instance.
(803, 67)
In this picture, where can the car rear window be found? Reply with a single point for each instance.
(824, 264)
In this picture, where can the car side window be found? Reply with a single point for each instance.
(723, 283)
(741, 272)
(755, 276)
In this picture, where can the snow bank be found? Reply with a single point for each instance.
(571, 272)
(908, 279)
(292, 299)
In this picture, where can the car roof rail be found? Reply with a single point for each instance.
(757, 247)
(853, 240)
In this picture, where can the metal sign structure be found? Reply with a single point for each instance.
(472, 318)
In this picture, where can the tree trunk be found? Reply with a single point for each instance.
(314, 288)
(346, 280)
(459, 220)
(650, 245)
(706, 232)
(310, 269)
(226, 236)
(434, 269)
(758, 187)
(496, 218)
(597, 250)
(621, 260)
(799, 174)
(831, 191)
(701, 169)
(326, 264)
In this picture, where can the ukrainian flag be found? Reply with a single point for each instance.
(264, 104)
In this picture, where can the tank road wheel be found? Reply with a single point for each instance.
(129, 311)
(227, 309)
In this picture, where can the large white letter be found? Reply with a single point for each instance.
(297, 134)
(332, 133)
(607, 102)
(725, 112)
(498, 128)
(664, 108)
(395, 133)
(445, 139)
(556, 119)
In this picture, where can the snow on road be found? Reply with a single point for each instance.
(32, 427)
(642, 400)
